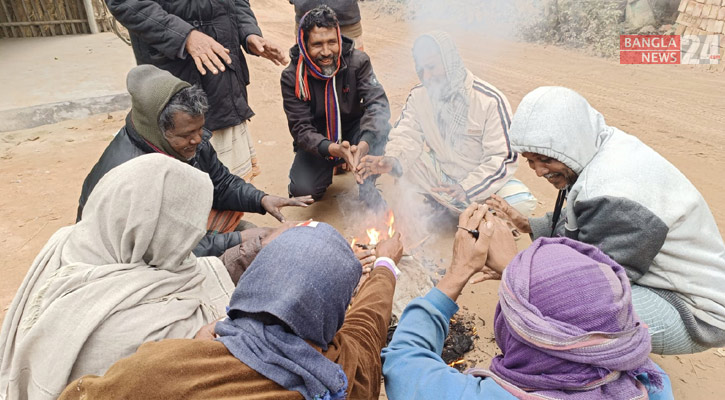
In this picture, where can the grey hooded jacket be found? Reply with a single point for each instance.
(632, 203)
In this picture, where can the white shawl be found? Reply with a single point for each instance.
(122, 276)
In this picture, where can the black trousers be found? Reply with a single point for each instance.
(311, 174)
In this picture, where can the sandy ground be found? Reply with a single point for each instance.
(678, 110)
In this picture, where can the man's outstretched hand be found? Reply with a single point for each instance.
(374, 165)
(267, 49)
(272, 204)
(207, 52)
(391, 248)
(342, 150)
(358, 151)
(505, 211)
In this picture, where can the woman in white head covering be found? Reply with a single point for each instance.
(122, 276)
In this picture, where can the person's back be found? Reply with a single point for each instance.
(565, 325)
(121, 276)
(285, 337)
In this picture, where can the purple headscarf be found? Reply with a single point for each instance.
(566, 326)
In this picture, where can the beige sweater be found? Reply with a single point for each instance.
(483, 161)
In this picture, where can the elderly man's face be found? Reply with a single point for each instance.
(554, 171)
(431, 71)
(323, 47)
(186, 134)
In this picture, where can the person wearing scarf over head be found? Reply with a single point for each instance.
(451, 141)
(122, 276)
(624, 198)
(337, 110)
(288, 335)
(564, 323)
(167, 117)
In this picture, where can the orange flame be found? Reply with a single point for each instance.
(391, 221)
(373, 235)
(457, 362)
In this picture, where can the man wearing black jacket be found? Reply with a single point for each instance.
(337, 111)
(201, 42)
(167, 116)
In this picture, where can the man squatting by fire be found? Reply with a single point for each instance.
(337, 111)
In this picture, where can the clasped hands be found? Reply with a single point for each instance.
(352, 154)
(485, 256)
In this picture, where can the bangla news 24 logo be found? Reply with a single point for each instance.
(669, 49)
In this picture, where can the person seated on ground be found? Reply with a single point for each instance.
(121, 276)
(167, 117)
(564, 323)
(337, 111)
(288, 335)
(451, 140)
(348, 14)
(626, 199)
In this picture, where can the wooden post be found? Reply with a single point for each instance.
(88, 5)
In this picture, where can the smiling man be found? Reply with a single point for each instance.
(336, 109)
(627, 200)
(167, 117)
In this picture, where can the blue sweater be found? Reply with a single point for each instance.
(414, 369)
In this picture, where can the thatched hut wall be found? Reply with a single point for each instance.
(36, 18)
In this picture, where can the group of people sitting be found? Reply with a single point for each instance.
(158, 291)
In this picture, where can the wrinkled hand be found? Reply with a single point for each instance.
(469, 253)
(505, 211)
(206, 332)
(454, 190)
(366, 257)
(207, 52)
(391, 248)
(267, 49)
(375, 165)
(502, 248)
(273, 233)
(358, 151)
(342, 150)
(272, 204)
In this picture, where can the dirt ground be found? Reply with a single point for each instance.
(678, 110)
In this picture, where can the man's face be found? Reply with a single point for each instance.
(554, 171)
(323, 47)
(186, 134)
(431, 71)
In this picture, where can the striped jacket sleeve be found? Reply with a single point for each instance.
(405, 142)
(498, 162)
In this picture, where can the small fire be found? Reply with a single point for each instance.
(457, 362)
(373, 236)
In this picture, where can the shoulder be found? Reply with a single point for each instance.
(355, 58)
(488, 94)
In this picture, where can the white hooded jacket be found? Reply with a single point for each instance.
(632, 203)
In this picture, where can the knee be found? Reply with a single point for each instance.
(297, 189)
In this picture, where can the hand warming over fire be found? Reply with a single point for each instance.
(391, 248)
(504, 210)
(469, 253)
(366, 257)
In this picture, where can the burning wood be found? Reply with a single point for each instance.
(459, 341)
